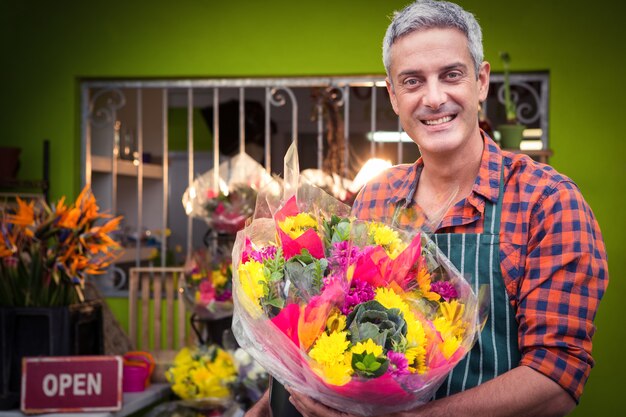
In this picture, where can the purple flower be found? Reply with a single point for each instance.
(268, 252)
(341, 255)
(444, 289)
(360, 292)
(398, 365)
(224, 296)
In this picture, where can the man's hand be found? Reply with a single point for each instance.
(308, 407)
(261, 408)
(519, 392)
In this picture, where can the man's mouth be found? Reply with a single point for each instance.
(441, 120)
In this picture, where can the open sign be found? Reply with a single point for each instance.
(71, 384)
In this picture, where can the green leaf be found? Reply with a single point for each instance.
(276, 302)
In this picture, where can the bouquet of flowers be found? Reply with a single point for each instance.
(204, 373)
(207, 285)
(47, 252)
(363, 317)
(209, 378)
(225, 199)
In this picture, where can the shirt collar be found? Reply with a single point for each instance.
(488, 180)
(486, 185)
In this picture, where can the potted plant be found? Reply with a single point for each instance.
(511, 133)
(46, 253)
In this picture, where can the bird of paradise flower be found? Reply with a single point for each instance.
(47, 252)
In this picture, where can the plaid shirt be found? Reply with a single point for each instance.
(553, 258)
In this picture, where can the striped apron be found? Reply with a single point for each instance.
(477, 257)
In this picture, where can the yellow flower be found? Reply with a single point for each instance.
(450, 326)
(252, 280)
(332, 360)
(386, 237)
(295, 226)
(329, 349)
(449, 346)
(336, 321)
(451, 322)
(338, 374)
(368, 347)
(202, 373)
(218, 278)
(389, 299)
(183, 358)
(416, 356)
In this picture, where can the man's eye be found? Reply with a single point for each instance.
(410, 82)
(453, 75)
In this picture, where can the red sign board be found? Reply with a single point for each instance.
(71, 384)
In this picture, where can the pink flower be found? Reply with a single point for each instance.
(268, 252)
(444, 289)
(220, 208)
(341, 255)
(207, 292)
(360, 292)
(398, 365)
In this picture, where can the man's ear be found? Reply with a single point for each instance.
(483, 80)
(392, 95)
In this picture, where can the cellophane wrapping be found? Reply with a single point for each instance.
(361, 316)
(225, 202)
(207, 284)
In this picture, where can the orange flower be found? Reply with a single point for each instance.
(69, 245)
(25, 215)
(423, 281)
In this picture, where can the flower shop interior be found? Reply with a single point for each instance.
(141, 100)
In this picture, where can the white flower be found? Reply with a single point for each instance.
(242, 358)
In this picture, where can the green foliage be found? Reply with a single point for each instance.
(273, 272)
(369, 366)
(336, 230)
(371, 320)
(306, 273)
(511, 115)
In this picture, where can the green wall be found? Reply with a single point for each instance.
(48, 46)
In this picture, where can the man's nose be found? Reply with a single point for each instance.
(435, 95)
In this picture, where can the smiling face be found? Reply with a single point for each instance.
(434, 90)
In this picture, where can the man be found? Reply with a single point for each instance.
(517, 225)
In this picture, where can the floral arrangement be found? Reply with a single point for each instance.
(207, 285)
(364, 317)
(48, 252)
(203, 373)
(211, 378)
(228, 210)
(226, 199)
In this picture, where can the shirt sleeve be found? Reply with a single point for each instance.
(565, 277)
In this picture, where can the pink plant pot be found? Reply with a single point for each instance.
(135, 377)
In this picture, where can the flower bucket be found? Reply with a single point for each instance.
(44, 331)
(511, 135)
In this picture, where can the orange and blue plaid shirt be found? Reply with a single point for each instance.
(553, 258)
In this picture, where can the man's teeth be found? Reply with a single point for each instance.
(438, 121)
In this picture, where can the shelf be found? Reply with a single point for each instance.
(129, 254)
(104, 164)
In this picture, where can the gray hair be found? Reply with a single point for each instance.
(428, 14)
